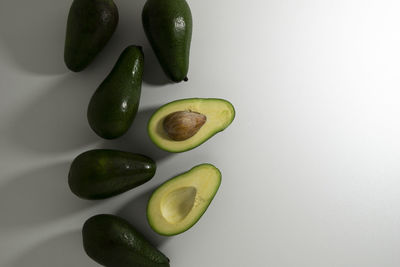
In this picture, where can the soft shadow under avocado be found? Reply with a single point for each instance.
(134, 211)
(137, 140)
(38, 196)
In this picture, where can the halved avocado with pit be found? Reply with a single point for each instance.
(178, 204)
(187, 123)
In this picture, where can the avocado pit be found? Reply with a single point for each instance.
(182, 125)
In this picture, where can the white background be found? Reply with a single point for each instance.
(311, 164)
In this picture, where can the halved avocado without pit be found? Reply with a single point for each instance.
(187, 123)
(178, 204)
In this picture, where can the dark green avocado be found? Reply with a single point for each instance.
(91, 23)
(168, 26)
(111, 241)
(115, 103)
(103, 173)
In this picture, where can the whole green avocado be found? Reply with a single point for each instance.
(103, 173)
(115, 103)
(168, 26)
(91, 23)
(111, 241)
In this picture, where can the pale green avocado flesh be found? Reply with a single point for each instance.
(219, 112)
(178, 204)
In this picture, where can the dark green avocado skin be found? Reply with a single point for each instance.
(91, 23)
(111, 241)
(168, 26)
(115, 103)
(103, 173)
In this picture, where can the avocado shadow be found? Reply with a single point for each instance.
(56, 121)
(134, 211)
(137, 140)
(64, 250)
(38, 196)
(153, 74)
(33, 33)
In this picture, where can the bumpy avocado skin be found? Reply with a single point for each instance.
(168, 26)
(115, 103)
(113, 242)
(103, 173)
(91, 23)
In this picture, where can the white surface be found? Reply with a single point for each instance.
(310, 165)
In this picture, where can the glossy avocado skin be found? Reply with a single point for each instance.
(113, 242)
(103, 173)
(168, 26)
(91, 23)
(115, 103)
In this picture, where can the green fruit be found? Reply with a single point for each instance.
(178, 204)
(115, 103)
(187, 123)
(103, 173)
(168, 26)
(91, 23)
(111, 241)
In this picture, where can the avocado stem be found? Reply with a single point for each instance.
(186, 79)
